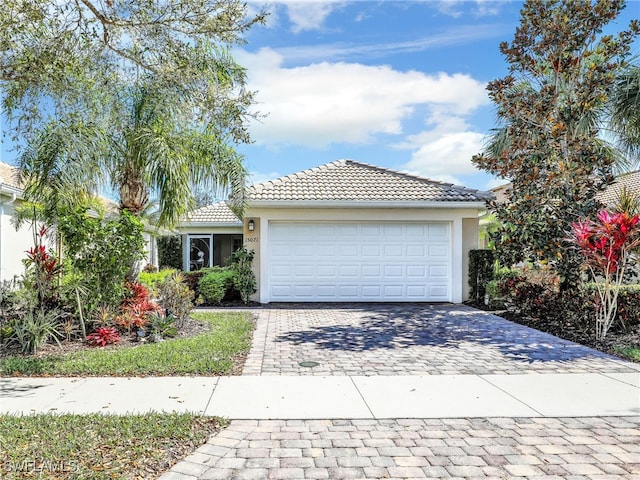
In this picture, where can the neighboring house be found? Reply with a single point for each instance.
(13, 243)
(609, 196)
(348, 232)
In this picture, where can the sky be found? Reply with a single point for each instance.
(400, 84)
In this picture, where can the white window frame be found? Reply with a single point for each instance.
(191, 236)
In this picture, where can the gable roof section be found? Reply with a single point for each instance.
(348, 181)
(218, 213)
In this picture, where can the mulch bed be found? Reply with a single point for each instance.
(617, 337)
(189, 328)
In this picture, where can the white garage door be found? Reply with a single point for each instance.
(359, 262)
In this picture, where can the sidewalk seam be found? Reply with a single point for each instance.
(482, 377)
(362, 397)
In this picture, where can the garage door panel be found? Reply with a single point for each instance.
(351, 262)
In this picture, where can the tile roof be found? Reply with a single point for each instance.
(216, 213)
(629, 180)
(9, 175)
(609, 196)
(348, 180)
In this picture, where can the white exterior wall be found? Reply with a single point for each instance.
(258, 240)
(13, 244)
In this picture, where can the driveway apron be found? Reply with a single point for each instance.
(372, 343)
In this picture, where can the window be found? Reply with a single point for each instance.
(237, 243)
(200, 252)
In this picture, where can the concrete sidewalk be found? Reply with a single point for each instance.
(333, 397)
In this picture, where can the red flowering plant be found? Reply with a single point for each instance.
(103, 336)
(44, 269)
(136, 308)
(606, 244)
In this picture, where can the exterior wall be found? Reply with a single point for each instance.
(258, 240)
(13, 244)
(470, 241)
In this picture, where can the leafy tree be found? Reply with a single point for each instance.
(561, 72)
(144, 94)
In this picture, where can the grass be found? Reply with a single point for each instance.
(98, 446)
(211, 353)
(632, 353)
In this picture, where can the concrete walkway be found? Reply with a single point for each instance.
(335, 397)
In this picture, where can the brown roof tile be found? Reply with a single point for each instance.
(630, 181)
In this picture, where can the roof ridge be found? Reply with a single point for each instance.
(300, 174)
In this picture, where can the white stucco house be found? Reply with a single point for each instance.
(346, 232)
(13, 243)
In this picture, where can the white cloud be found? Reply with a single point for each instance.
(480, 8)
(446, 156)
(325, 103)
(303, 14)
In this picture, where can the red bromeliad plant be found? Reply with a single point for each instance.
(606, 245)
(103, 336)
(44, 267)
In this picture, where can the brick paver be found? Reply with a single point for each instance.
(410, 339)
(415, 340)
(497, 448)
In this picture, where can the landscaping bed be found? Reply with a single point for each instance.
(211, 343)
(620, 342)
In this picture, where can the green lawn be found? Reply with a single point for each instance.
(629, 352)
(98, 446)
(211, 353)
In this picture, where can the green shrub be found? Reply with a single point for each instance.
(481, 266)
(245, 279)
(152, 279)
(170, 252)
(215, 285)
(35, 328)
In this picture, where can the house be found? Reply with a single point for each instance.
(609, 196)
(347, 232)
(13, 243)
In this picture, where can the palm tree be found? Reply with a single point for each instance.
(146, 147)
(624, 112)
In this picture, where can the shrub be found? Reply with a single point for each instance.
(215, 285)
(481, 266)
(170, 251)
(152, 279)
(244, 278)
(175, 296)
(103, 336)
(162, 325)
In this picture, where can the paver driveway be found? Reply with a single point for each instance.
(416, 340)
(410, 339)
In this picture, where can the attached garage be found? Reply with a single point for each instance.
(352, 232)
(366, 261)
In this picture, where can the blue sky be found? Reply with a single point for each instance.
(399, 84)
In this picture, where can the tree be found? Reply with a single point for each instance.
(624, 111)
(120, 89)
(561, 73)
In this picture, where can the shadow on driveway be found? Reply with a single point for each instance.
(439, 326)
